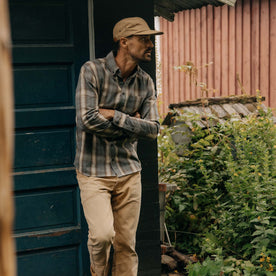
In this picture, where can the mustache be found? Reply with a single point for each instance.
(149, 50)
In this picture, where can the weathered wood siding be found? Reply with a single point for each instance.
(238, 40)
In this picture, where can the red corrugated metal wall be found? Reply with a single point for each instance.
(238, 40)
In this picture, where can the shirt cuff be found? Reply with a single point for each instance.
(119, 118)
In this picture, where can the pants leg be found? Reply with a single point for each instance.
(126, 201)
(96, 201)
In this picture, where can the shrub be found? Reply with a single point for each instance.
(225, 202)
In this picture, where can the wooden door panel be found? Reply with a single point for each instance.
(50, 263)
(48, 50)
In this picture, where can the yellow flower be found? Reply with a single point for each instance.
(274, 146)
(192, 217)
(261, 265)
(267, 259)
(270, 268)
(259, 174)
(259, 219)
(262, 254)
(235, 174)
(262, 259)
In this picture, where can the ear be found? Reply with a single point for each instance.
(123, 42)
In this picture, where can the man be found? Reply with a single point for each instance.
(116, 105)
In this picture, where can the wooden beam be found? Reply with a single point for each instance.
(217, 100)
(7, 261)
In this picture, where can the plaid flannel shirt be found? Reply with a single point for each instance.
(104, 147)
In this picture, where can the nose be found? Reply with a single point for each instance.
(150, 43)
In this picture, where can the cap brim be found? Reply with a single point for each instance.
(149, 32)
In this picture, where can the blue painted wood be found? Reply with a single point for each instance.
(43, 92)
(45, 210)
(44, 178)
(64, 261)
(48, 148)
(55, 238)
(43, 117)
(32, 28)
(48, 50)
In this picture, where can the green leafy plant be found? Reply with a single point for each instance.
(225, 202)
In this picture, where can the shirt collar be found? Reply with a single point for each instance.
(113, 67)
(111, 64)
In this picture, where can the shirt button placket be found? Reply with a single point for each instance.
(113, 158)
(112, 153)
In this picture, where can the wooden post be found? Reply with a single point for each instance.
(7, 260)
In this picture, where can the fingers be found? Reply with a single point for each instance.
(137, 115)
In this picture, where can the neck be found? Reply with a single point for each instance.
(125, 64)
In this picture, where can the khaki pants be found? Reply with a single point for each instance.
(112, 207)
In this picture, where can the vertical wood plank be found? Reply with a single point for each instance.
(198, 50)
(204, 45)
(187, 54)
(255, 74)
(272, 90)
(170, 91)
(193, 50)
(224, 51)
(238, 45)
(264, 50)
(232, 50)
(246, 49)
(161, 58)
(176, 58)
(181, 55)
(210, 45)
(7, 262)
(217, 49)
(165, 65)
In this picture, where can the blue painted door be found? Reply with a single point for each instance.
(50, 42)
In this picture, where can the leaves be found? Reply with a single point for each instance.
(226, 195)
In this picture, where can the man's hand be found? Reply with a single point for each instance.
(107, 113)
(137, 115)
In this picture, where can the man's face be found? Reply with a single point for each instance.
(140, 47)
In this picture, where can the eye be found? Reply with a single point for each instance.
(145, 39)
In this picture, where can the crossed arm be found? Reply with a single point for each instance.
(109, 113)
(111, 123)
